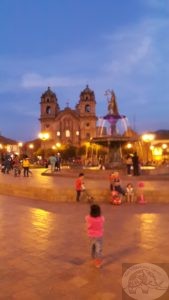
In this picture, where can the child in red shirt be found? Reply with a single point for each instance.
(79, 186)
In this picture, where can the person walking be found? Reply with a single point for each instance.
(17, 166)
(7, 164)
(26, 165)
(95, 228)
(79, 186)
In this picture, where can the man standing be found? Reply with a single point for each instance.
(135, 164)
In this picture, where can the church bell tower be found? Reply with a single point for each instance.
(49, 109)
(86, 109)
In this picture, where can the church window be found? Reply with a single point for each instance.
(86, 98)
(47, 100)
(87, 108)
(67, 133)
(58, 133)
(48, 110)
(47, 125)
(87, 124)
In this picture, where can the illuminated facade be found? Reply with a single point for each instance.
(68, 126)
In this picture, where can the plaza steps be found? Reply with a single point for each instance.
(59, 187)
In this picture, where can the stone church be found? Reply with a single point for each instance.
(68, 126)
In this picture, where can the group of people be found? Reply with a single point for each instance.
(117, 191)
(16, 165)
(55, 162)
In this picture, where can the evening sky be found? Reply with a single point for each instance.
(65, 44)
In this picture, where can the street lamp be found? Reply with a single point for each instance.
(164, 146)
(87, 144)
(20, 144)
(31, 146)
(58, 145)
(44, 136)
(148, 138)
(129, 146)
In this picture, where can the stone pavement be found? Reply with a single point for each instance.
(44, 252)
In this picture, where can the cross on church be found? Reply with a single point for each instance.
(67, 103)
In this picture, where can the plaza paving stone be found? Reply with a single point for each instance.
(44, 251)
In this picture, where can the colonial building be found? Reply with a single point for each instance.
(8, 145)
(68, 126)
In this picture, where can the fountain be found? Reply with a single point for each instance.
(113, 131)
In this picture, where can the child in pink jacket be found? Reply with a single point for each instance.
(95, 223)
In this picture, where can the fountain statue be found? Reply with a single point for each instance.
(112, 130)
(112, 104)
(113, 113)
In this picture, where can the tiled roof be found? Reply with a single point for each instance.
(7, 141)
(162, 134)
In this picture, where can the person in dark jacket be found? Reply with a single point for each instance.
(135, 158)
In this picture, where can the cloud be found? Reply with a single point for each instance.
(36, 80)
(138, 47)
(131, 60)
(136, 59)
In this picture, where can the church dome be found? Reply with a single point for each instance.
(87, 94)
(87, 90)
(49, 93)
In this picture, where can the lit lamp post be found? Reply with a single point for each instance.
(87, 144)
(31, 146)
(148, 138)
(58, 145)
(44, 136)
(164, 148)
(54, 147)
(20, 144)
(129, 147)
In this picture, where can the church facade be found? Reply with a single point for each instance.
(68, 126)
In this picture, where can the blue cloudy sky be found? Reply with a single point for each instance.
(65, 44)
